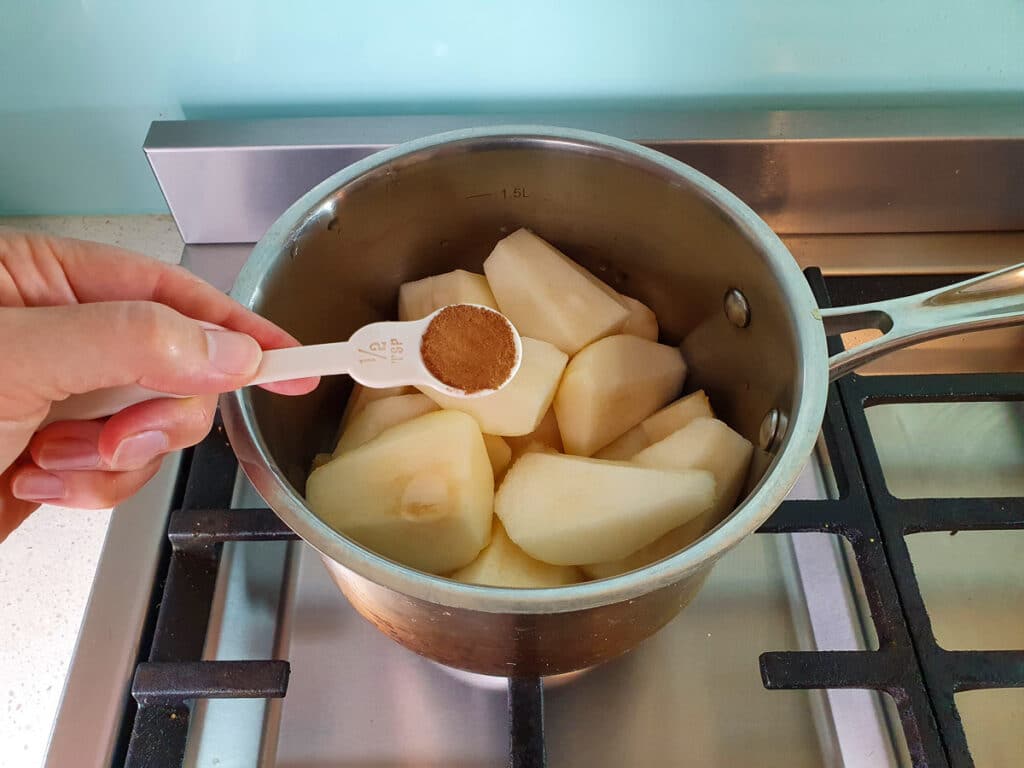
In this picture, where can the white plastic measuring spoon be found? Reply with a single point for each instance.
(377, 355)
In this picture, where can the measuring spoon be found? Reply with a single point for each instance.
(378, 355)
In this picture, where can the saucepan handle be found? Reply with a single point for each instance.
(994, 300)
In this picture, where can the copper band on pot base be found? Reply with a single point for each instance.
(533, 645)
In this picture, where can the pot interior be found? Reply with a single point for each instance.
(654, 234)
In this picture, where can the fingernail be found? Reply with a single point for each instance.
(138, 450)
(233, 353)
(35, 485)
(68, 453)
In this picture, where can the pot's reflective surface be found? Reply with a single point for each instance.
(651, 228)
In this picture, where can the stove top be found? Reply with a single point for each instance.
(854, 631)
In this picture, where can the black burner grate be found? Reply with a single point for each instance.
(174, 674)
(909, 665)
(921, 677)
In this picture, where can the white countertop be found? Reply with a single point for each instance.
(47, 565)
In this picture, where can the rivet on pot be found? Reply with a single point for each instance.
(772, 427)
(736, 308)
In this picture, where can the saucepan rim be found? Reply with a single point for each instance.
(796, 447)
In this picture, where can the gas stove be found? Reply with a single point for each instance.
(854, 630)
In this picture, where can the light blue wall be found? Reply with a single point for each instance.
(80, 80)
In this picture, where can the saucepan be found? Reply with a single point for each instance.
(720, 281)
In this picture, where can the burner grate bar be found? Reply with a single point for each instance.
(943, 672)
(938, 388)
(966, 514)
(526, 722)
(174, 683)
(979, 670)
(789, 670)
(182, 606)
(158, 738)
(198, 530)
(895, 669)
(838, 516)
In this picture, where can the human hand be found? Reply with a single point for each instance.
(78, 316)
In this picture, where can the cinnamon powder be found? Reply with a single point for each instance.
(469, 348)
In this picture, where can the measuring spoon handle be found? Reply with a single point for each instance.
(304, 362)
(276, 365)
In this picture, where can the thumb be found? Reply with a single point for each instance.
(71, 349)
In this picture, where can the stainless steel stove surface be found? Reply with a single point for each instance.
(355, 698)
(693, 694)
(399, 709)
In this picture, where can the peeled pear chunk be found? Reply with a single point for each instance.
(544, 437)
(421, 493)
(362, 396)
(613, 385)
(419, 298)
(658, 426)
(705, 443)
(517, 408)
(642, 321)
(548, 296)
(380, 415)
(569, 510)
(499, 454)
(503, 564)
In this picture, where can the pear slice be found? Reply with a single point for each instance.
(544, 437)
(419, 298)
(548, 296)
(362, 396)
(704, 443)
(379, 415)
(421, 493)
(613, 385)
(519, 407)
(569, 510)
(658, 426)
(642, 321)
(659, 549)
(503, 564)
(499, 454)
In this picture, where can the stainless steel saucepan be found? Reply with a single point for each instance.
(722, 285)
